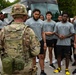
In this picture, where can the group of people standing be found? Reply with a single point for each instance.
(54, 35)
(46, 34)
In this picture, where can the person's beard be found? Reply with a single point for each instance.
(35, 18)
(64, 21)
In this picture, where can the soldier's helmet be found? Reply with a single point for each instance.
(19, 9)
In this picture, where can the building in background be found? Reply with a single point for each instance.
(42, 5)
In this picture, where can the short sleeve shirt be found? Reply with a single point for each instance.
(2, 24)
(75, 25)
(49, 27)
(64, 29)
(37, 27)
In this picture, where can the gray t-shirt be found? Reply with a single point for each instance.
(2, 24)
(49, 27)
(74, 25)
(37, 26)
(64, 29)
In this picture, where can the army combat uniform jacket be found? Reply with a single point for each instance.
(19, 42)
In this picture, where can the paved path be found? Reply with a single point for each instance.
(49, 71)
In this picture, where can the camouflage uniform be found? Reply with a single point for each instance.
(19, 41)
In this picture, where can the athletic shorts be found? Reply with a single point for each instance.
(50, 43)
(63, 50)
(41, 47)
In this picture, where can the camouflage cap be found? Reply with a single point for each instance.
(19, 9)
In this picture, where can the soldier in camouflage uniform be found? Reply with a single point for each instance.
(20, 44)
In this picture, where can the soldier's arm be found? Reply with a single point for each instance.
(34, 43)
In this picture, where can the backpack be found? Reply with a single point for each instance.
(15, 41)
(19, 63)
(14, 49)
(7, 65)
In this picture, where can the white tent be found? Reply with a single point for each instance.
(8, 9)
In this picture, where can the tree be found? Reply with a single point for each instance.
(4, 4)
(68, 6)
(74, 7)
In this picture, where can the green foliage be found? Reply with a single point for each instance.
(64, 5)
(74, 7)
(4, 4)
(68, 6)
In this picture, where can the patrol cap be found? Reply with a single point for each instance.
(19, 9)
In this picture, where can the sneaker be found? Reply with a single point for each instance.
(74, 64)
(67, 72)
(42, 73)
(57, 70)
(54, 61)
(46, 61)
(37, 60)
(62, 63)
(52, 66)
(74, 71)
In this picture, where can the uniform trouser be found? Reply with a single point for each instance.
(55, 51)
(30, 73)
